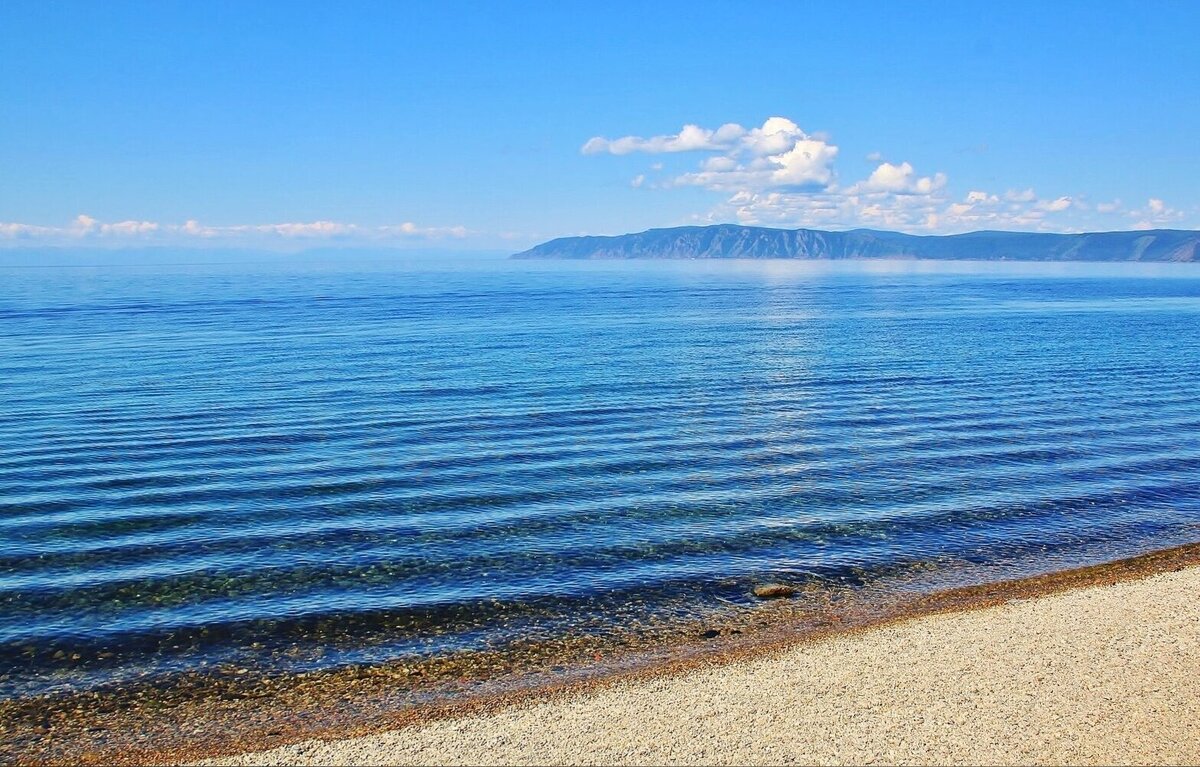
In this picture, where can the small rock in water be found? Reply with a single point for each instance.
(773, 590)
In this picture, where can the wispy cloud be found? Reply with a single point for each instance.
(1156, 214)
(691, 138)
(86, 229)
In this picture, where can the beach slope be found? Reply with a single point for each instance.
(1100, 675)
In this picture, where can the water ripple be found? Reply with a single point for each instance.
(197, 466)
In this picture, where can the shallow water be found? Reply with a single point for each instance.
(296, 465)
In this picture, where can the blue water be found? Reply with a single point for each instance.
(300, 465)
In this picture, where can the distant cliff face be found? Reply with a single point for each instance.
(730, 241)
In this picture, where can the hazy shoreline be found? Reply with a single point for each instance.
(732, 241)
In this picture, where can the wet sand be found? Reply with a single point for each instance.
(1103, 674)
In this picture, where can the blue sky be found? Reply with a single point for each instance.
(497, 125)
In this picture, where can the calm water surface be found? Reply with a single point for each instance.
(305, 465)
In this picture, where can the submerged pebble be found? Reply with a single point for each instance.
(773, 591)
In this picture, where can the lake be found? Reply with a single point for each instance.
(294, 466)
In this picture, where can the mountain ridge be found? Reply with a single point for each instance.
(729, 241)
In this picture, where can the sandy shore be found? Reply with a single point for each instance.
(1102, 675)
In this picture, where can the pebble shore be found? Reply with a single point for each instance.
(1099, 675)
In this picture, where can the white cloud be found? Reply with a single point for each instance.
(81, 226)
(776, 136)
(1156, 214)
(807, 162)
(127, 228)
(22, 231)
(900, 179)
(409, 229)
(193, 228)
(301, 229)
(776, 155)
(1013, 195)
(914, 211)
(778, 173)
(690, 138)
(1054, 206)
(84, 224)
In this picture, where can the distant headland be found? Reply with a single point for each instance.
(732, 241)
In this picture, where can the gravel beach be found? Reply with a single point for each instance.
(1100, 675)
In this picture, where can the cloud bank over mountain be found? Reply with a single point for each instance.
(781, 175)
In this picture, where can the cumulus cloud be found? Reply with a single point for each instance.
(777, 155)
(900, 179)
(774, 155)
(779, 173)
